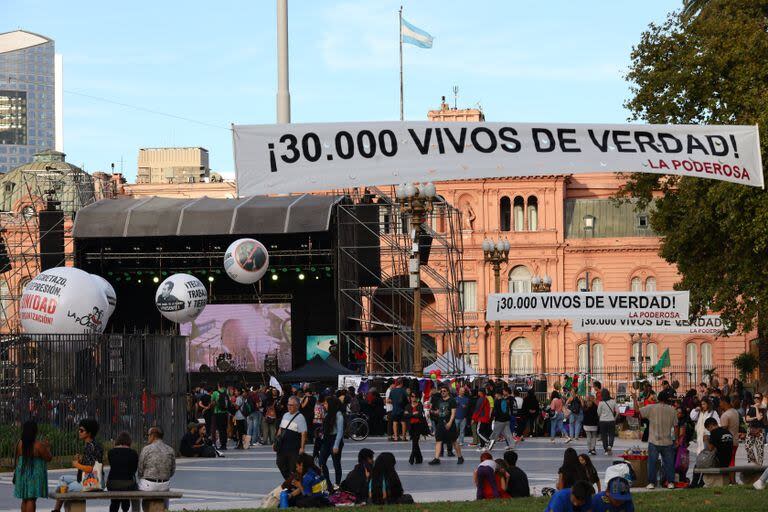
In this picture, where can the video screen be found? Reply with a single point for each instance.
(322, 345)
(237, 337)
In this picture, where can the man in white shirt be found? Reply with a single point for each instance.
(293, 436)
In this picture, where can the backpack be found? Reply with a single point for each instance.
(222, 402)
(248, 406)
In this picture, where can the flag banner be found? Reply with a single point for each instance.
(415, 36)
(664, 362)
(709, 324)
(572, 305)
(286, 158)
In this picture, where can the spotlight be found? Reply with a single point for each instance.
(274, 277)
(139, 281)
(155, 279)
(301, 276)
(210, 279)
(317, 277)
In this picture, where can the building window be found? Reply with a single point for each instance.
(505, 214)
(653, 353)
(635, 357)
(520, 280)
(706, 356)
(650, 284)
(597, 358)
(691, 358)
(468, 295)
(474, 360)
(582, 356)
(521, 357)
(636, 285)
(581, 285)
(533, 213)
(642, 221)
(518, 213)
(597, 285)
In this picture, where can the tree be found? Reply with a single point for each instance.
(709, 69)
(692, 7)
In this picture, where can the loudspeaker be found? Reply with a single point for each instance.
(51, 239)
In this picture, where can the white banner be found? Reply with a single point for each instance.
(287, 158)
(573, 305)
(709, 324)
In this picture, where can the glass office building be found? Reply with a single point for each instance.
(27, 97)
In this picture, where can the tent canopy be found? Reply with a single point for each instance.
(449, 364)
(316, 369)
(163, 216)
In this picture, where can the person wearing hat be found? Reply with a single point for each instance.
(615, 498)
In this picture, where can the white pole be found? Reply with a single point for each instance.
(283, 95)
(402, 117)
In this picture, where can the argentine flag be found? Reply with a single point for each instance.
(415, 36)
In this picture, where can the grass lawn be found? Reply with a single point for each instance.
(723, 499)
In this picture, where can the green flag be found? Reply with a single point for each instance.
(663, 362)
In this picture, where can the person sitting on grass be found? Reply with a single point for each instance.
(357, 480)
(485, 478)
(385, 486)
(309, 485)
(517, 481)
(574, 499)
(615, 498)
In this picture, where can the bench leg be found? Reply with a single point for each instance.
(154, 506)
(715, 480)
(74, 506)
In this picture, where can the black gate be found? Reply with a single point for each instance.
(127, 382)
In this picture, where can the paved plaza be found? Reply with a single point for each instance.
(242, 478)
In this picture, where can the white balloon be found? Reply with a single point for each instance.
(181, 297)
(63, 300)
(246, 260)
(109, 292)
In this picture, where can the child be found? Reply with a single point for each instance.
(592, 476)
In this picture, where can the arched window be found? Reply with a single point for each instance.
(597, 358)
(636, 285)
(5, 301)
(521, 356)
(533, 213)
(636, 357)
(706, 356)
(597, 285)
(582, 356)
(691, 366)
(581, 284)
(650, 284)
(518, 213)
(520, 280)
(505, 214)
(653, 353)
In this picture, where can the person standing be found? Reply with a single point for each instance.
(462, 413)
(205, 406)
(502, 413)
(398, 398)
(253, 420)
(333, 439)
(662, 438)
(220, 414)
(531, 410)
(556, 416)
(30, 477)
(239, 416)
(729, 419)
(755, 418)
(269, 421)
(291, 438)
(157, 463)
(123, 463)
(445, 426)
(576, 417)
(482, 418)
(417, 422)
(591, 423)
(607, 413)
(701, 414)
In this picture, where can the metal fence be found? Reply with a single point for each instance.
(127, 382)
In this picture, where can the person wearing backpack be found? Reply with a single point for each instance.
(220, 414)
(502, 414)
(238, 412)
(576, 418)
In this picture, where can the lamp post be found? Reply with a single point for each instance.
(641, 359)
(542, 285)
(496, 253)
(416, 201)
(468, 333)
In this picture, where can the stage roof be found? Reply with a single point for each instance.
(163, 216)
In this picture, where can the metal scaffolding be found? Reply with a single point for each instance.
(376, 302)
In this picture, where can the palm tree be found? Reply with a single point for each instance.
(693, 7)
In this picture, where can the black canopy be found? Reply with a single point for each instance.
(316, 369)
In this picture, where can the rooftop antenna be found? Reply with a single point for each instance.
(455, 97)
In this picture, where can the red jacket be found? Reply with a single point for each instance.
(482, 412)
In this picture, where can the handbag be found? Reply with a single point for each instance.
(93, 481)
(279, 437)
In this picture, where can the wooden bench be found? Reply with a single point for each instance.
(714, 477)
(154, 501)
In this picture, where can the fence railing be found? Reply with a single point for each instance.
(127, 382)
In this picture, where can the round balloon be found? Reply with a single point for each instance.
(63, 300)
(246, 260)
(109, 292)
(181, 297)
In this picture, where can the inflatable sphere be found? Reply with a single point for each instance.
(181, 298)
(246, 260)
(109, 291)
(63, 300)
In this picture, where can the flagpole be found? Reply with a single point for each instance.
(402, 118)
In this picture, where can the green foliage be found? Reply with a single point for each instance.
(709, 69)
(746, 363)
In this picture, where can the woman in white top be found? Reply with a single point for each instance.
(700, 415)
(607, 413)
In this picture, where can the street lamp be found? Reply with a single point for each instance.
(468, 332)
(416, 201)
(542, 285)
(496, 253)
(640, 358)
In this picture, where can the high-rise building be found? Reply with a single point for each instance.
(30, 83)
(172, 165)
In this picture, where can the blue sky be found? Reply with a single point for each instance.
(214, 62)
